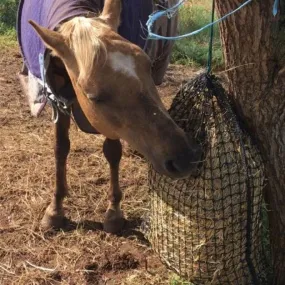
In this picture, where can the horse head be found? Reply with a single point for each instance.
(114, 87)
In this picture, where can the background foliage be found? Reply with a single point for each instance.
(8, 11)
(191, 51)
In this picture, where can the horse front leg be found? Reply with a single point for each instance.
(54, 214)
(114, 219)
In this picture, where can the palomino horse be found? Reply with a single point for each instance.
(114, 89)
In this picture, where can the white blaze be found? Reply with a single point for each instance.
(123, 63)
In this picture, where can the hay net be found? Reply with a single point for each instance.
(208, 228)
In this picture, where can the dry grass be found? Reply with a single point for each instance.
(207, 4)
(84, 254)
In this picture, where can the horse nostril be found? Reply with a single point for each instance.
(188, 162)
(171, 167)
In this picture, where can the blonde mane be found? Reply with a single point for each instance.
(83, 37)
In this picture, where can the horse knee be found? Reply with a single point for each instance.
(112, 150)
(62, 147)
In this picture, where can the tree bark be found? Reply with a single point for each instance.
(254, 51)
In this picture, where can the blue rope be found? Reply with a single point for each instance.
(171, 11)
(275, 7)
(167, 12)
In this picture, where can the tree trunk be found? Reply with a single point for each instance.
(254, 50)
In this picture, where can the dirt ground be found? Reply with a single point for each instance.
(83, 254)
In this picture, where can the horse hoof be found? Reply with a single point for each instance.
(114, 221)
(53, 221)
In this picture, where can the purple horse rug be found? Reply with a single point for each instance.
(51, 13)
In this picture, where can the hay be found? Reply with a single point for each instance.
(199, 226)
(81, 255)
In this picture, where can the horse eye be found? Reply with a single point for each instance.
(99, 99)
(96, 98)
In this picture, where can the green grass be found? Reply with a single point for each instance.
(8, 11)
(7, 41)
(193, 51)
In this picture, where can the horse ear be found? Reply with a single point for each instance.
(112, 13)
(53, 40)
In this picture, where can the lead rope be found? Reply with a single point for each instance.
(210, 53)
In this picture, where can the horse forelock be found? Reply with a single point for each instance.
(83, 38)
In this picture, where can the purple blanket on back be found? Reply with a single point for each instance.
(50, 13)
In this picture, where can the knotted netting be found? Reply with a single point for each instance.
(207, 228)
